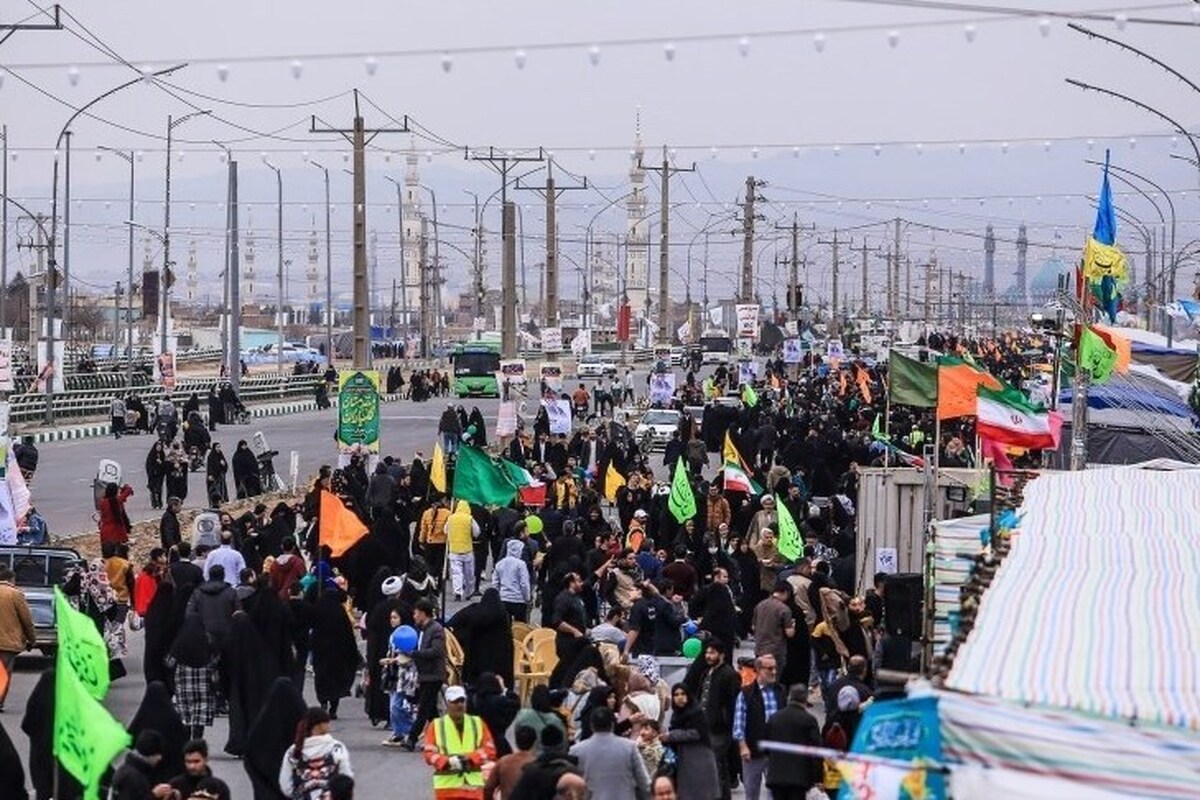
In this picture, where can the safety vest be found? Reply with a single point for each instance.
(451, 743)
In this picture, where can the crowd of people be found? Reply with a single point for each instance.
(777, 647)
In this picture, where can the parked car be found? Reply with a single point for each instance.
(36, 571)
(656, 428)
(593, 366)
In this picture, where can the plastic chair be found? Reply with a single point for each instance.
(536, 660)
(520, 630)
(534, 637)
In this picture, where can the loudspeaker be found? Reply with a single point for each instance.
(903, 601)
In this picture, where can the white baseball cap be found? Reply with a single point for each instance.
(455, 694)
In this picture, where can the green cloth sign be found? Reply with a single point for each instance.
(358, 409)
(81, 647)
(681, 502)
(86, 737)
(789, 544)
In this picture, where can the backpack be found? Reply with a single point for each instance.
(310, 776)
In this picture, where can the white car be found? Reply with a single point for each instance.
(593, 366)
(657, 427)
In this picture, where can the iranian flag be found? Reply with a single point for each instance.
(736, 479)
(531, 491)
(1007, 417)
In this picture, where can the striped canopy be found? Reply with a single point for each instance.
(1097, 606)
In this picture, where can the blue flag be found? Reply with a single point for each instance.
(1105, 231)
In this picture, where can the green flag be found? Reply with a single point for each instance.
(789, 545)
(479, 479)
(682, 502)
(911, 382)
(1096, 356)
(86, 737)
(749, 396)
(82, 646)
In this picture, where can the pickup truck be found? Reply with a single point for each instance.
(36, 571)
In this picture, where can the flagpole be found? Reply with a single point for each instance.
(887, 428)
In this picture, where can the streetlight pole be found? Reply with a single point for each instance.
(435, 284)
(165, 283)
(51, 282)
(128, 157)
(329, 267)
(4, 233)
(279, 255)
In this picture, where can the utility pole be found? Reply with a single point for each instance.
(502, 164)
(359, 136)
(866, 302)
(894, 280)
(4, 231)
(793, 262)
(834, 326)
(550, 194)
(664, 220)
(746, 287)
(907, 285)
(234, 276)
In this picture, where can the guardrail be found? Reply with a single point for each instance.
(96, 401)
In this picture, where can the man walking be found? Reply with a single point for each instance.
(790, 776)
(16, 625)
(430, 657)
(456, 746)
(756, 704)
(774, 624)
(461, 530)
(717, 686)
(611, 764)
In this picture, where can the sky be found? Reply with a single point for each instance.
(951, 116)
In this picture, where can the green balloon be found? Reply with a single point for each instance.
(533, 524)
(692, 647)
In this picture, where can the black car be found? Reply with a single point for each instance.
(36, 571)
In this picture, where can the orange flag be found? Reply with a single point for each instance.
(1122, 345)
(340, 527)
(841, 383)
(957, 385)
(3, 680)
(864, 383)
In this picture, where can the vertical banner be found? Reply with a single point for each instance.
(662, 387)
(747, 321)
(358, 409)
(166, 370)
(559, 412)
(6, 372)
(791, 351)
(552, 376)
(506, 419)
(551, 340)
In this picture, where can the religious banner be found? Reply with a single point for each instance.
(551, 340)
(792, 353)
(662, 387)
(552, 376)
(559, 412)
(506, 419)
(747, 320)
(358, 409)
(6, 373)
(512, 371)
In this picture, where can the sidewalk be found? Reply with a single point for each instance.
(88, 430)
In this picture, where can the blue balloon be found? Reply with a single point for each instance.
(690, 627)
(404, 639)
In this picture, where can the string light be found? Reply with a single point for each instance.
(297, 68)
(744, 46)
(1121, 21)
(669, 51)
(519, 57)
(371, 64)
(447, 62)
(969, 31)
(819, 42)
(1044, 27)
(893, 39)
(222, 72)
(878, 149)
(73, 76)
(594, 55)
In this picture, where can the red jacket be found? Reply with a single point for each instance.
(287, 570)
(114, 525)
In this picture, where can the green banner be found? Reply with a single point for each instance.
(358, 409)
(81, 647)
(86, 737)
(681, 502)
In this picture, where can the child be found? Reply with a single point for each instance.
(649, 746)
(399, 678)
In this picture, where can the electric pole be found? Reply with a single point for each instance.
(793, 263)
(664, 303)
(502, 164)
(359, 136)
(866, 302)
(834, 327)
(894, 279)
(550, 194)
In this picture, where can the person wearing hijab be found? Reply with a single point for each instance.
(695, 764)
(249, 671)
(114, 522)
(38, 725)
(194, 663)
(245, 471)
(156, 473)
(160, 622)
(418, 583)
(379, 632)
(157, 713)
(541, 715)
(335, 656)
(497, 705)
(600, 696)
(476, 420)
(275, 628)
(484, 630)
(273, 732)
(12, 772)
(216, 468)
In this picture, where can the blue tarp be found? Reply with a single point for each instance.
(1128, 397)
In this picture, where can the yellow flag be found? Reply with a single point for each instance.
(730, 454)
(437, 470)
(1103, 260)
(613, 481)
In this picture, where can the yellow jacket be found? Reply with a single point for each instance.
(432, 528)
(459, 528)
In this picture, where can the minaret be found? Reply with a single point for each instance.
(248, 268)
(636, 275)
(989, 263)
(313, 272)
(1022, 248)
(193, 280)
(410, 276)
